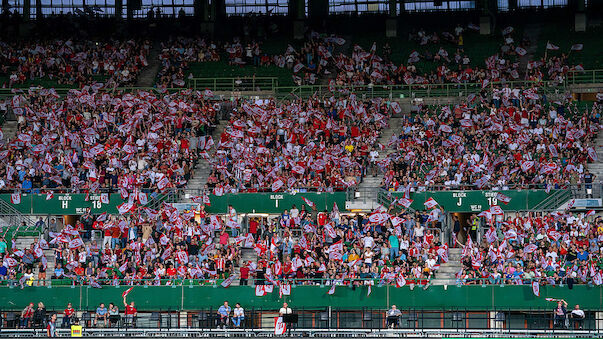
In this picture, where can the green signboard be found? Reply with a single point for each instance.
(64, 204)
(275, 202)
(451, 201)
(477, 201)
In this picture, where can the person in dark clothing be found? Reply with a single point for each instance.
(39, 317)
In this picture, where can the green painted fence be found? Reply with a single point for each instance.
(477, 201)
(64, 204)
(451, 201)
(185, 297)
(71, 204)
(274, 202)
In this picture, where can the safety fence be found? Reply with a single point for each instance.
(330, 318)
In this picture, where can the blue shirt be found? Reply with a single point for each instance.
(101, 311)
(224, 310)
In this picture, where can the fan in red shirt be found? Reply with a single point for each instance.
(69, 312)
(131, 312)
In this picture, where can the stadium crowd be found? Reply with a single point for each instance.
(552, 248)
(93, 140)
(513, 138)
(73, 62)
(439, 58)
(303, 144)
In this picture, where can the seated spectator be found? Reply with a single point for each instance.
(101, 314)
(68, 316)
(577, 316)
(26, 315)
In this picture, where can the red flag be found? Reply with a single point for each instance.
(277, 185)
(126, 292)
(260, 291)
(280, 327)
(228, 281)
(536, 288)
(308, 202)
(15, 198)
(430, 203)
(49, 195)
(503, 198)
(589, 213)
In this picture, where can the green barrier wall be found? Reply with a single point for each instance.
(64, 204)
(451, 201)
(309, 297)
(477, 201)
(274, 202)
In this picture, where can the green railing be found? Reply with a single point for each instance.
(399, 91)
(270, 85)
(243, 84)
(592, 76)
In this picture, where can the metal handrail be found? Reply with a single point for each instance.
(235, 84)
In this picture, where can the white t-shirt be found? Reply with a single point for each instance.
(285, 310)
(368, 241)
(238, 312)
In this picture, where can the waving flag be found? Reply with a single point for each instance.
(15, 198)
(404, 202)
(430, 203)
(277, 185)
(400, 281)
(284, 289)
(331, 290)
(552, 47)
(280, 327)
(228, 281)
(496, 210)
(577, 47)
(49, 195)
(75, 243)
(590, 213)
(126, 292)
(308, 202)
(125, 208)
(260, 291)
(536, 288)
(503, 198)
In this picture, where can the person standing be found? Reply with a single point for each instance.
(51, 328)
(560, 313)
(131, 312)
(577, 316)
(285, 310)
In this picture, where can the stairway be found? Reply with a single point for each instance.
(9, 131)
(149, 73)
(204, 167)
(531, 33)
(247, 254)
(596, 168)
(446, 275)
(24, 243)
(366, 189)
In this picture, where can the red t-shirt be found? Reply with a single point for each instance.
(69, 312)
(130, 309)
